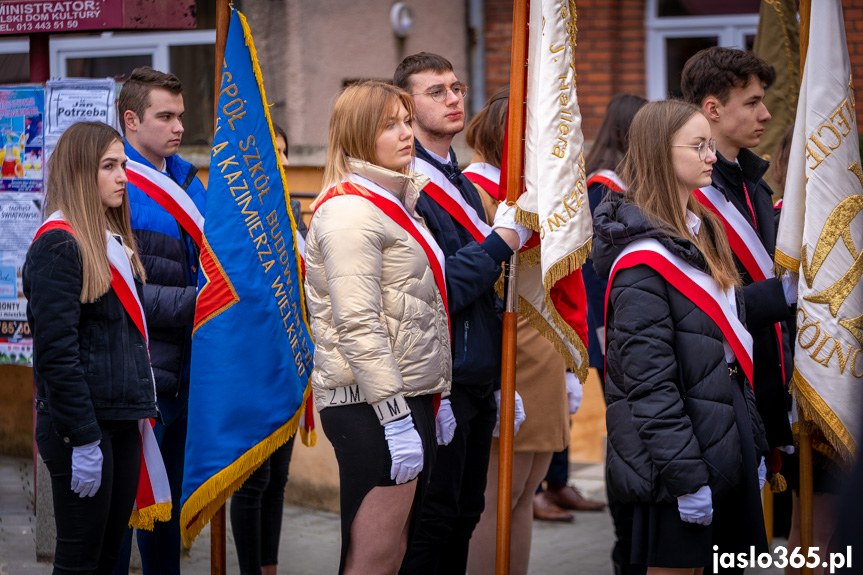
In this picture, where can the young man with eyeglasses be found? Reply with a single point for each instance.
(455, 496)
(729, 86)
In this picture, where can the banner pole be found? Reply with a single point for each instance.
(807, 525)
(515, 164)
(807, 519)
(218, 525)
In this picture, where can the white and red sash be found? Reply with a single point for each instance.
(694, 284)
(608, 179)
(153, 498)
(485, 176)
(744, 241)
(447, 196)
(393, 208)
(168, 194)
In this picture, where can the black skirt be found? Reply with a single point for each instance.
(364, 457)
(661, 539)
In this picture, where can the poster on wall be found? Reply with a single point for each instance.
(21, 139)
(20, 216)
(27, 143)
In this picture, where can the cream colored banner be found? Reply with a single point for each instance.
(821, 235)
(554, 202)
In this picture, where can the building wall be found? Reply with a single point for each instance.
(852, 10)
(610, 57)
(610, 52)
(308, 49)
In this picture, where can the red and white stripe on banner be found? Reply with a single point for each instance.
(485, 176)
(447, 196)
(153, 487)
(168, 194)
(694, 284)
(608, 179)
(744, 242)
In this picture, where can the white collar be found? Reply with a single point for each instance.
(438, 158)
(693, 222)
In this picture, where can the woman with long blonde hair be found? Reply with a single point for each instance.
(82, 278)
(377, 301)
(684, 437)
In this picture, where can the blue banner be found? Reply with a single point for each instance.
(251, 348)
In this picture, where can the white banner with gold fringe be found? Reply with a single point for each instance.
(820, 236)
(554, 202)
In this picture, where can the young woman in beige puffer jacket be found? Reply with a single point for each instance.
(377, 301)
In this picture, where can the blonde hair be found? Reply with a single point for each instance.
(73, 189)
(360, 115)
(649, 175)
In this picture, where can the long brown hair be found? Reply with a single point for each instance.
(652, 185)
(360, 115)
(73, 190)
(485, 131)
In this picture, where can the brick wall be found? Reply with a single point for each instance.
(610, 57)
(852, 10)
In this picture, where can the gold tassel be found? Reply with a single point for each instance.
(778, 483)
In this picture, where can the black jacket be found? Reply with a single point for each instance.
(670, 417)
(90, 361)
(472, 269)
(765, 300)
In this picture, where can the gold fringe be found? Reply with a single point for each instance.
(527, 219)
(568, 265)
(535, 319)
(145, 518)
(787, 262)
(309, 437)
(212, 494)
(529, 258)
(828, 423)
(778, 483)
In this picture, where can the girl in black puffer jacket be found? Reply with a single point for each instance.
(684, 438)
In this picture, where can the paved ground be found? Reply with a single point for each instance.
(310, 538)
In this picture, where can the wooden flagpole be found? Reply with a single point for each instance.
(515, 168)
(218, 524)
(807, 522)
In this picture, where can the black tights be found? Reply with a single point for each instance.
(90, 529)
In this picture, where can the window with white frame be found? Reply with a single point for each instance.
(677, 29)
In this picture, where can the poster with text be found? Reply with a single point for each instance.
(20, 216)
(21, 139)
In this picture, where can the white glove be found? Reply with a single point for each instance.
(444, 423)
(505, 218)
(406, 449)
(696, 507)
(86, 469)
(519, 414)
(762, 474)
(574, 392)
(789, 287)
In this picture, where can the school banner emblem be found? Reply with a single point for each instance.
(820, 236)
(554, 202)
(251, 347)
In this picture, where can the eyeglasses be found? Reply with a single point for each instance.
(702, 148)
(438, 94)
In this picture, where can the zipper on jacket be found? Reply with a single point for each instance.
(466, 332)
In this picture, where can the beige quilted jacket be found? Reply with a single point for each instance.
(378, 319)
